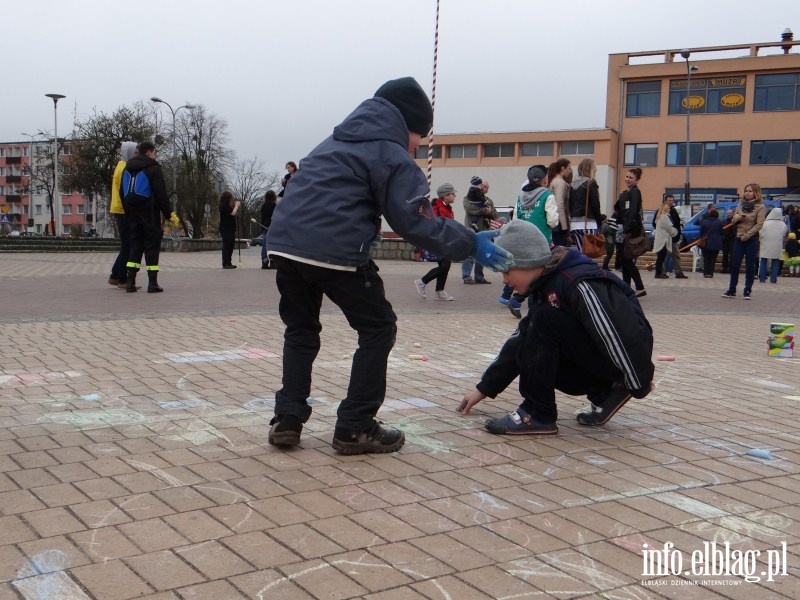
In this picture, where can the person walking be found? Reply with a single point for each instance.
(119, 273)
(628, 212)
(320, 240)
(291, 169)
(711, 230)
(609, 230)
(446, 195)
(675, 251)
(770, 245)
(144, 196)
(748, 219)
(228, 207)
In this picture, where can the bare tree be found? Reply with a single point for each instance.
(203, 158)
(41, 173)
(248, 182)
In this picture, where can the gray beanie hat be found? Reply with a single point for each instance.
(444, 189)
(526, 244)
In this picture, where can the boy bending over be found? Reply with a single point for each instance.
(585, 334)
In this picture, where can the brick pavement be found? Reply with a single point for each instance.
(134, 462)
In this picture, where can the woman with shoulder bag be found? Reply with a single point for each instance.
(584, 210)
(711, 231)
(664, 232)
(628, 212)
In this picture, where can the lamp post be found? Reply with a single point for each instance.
(687, 188)
(55, 201)
(174, 146)
(30, 175)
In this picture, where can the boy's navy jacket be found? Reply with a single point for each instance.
(331, 213)
(158, 188)
(611, 316)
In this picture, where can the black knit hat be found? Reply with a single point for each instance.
(412, 102)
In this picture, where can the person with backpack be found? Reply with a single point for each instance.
(119, 273)
(581, 223)
(144, 195)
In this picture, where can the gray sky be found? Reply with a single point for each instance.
(283, 74)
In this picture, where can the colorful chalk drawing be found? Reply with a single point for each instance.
(260, 404)
(86, 420)
(37, 378)
(42, 577)
(209, 356)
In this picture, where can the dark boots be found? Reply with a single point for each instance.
(152, 283)
(130, 282)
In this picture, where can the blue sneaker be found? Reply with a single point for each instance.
(519, 422)
(502, 300)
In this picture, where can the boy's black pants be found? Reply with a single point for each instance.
(557, 354)
(146, 234)
(360, 296)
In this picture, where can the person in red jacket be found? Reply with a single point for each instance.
(441, 208)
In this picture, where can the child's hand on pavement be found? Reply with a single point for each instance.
(470, 400)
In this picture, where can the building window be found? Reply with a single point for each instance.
(422, 152)
(705, 153)
(574, 148)
(25, 151)
(774, 152)
(38, 208)
(40, 189)
(641, 155)
(777, 92)
(79, 209)
(498, 150)
(709, 95)
(66, 209)
(537, 149)
(64, 151)
(465, 151)
(643, 99)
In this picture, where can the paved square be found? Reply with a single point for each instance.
(134, 461)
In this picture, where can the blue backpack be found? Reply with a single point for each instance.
(138, 192)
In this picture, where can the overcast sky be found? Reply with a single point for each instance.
(283, 74)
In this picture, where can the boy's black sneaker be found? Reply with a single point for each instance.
(729, 294)
(600, 415)
(285, 430)
(378, 440)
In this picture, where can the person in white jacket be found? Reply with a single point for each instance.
(662, 242)
(770, 247)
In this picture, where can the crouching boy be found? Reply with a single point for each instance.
(585, 334)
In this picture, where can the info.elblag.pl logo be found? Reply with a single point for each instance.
(715, 560)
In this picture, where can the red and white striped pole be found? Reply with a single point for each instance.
(433, 92)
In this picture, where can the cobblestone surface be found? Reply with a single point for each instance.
(134, 460)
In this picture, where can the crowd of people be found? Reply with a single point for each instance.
(585, 332)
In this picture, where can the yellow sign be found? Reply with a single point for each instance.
(732, 100)
(693, 102)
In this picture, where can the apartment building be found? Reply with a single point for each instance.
(24, 198)
(744, 126)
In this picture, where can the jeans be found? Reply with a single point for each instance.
(558, 354)
(466, 269)
(775, 269)
(361, 297)
(748, 251)
(118, 271)
(629, 268)
(709, 261)
(609, 254)
(439, 273)
(660, 256)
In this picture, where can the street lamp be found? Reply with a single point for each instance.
(30, 175)
(687, 188)
(55, 201)
(174, 146)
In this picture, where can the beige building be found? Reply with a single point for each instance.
(744, 127)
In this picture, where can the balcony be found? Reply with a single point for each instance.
(13, 179)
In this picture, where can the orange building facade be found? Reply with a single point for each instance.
(744, 126)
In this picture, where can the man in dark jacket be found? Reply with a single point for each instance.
(143, 200)
(320, 241)
(585, 334)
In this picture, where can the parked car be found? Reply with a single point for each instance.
(256, 241)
